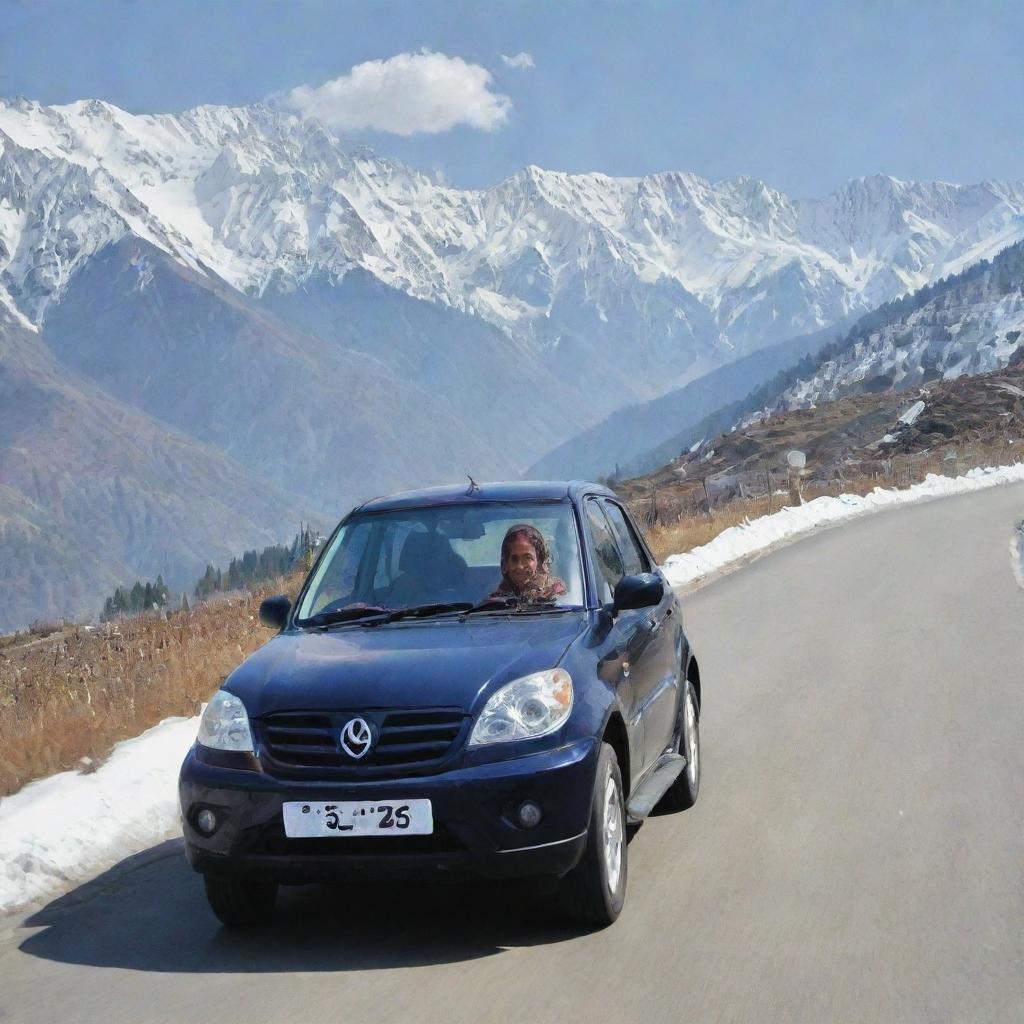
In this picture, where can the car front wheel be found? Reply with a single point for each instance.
(595, 889)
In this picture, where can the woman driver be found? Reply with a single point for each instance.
(526, 566)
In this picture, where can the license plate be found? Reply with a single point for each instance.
(358, 818)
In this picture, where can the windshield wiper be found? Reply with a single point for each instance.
(375, 615)
(423, 611)
(492, 604)
(350, 614)
(515, 605)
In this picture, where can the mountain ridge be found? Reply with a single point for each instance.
(264, 199)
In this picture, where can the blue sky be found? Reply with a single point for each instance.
(801, 95)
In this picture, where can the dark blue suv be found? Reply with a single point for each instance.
(490, 680)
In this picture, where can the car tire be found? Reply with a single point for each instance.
(240, 902)
(595, 890)
(682, 794)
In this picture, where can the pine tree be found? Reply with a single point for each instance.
(205, 586)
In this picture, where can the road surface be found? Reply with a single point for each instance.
(857, 852)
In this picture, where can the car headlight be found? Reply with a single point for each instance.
(525, 708)
(225, 724)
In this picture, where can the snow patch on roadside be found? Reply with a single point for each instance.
(65, 829)
(737, 545)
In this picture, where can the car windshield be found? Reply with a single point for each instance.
(461, 558)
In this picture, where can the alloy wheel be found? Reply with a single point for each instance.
(612, 833)
(692, 740)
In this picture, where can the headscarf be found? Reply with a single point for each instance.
(542, 586)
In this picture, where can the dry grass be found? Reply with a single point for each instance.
(692, 531)
(75, 693)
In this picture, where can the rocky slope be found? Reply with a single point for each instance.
(939, 426)
(929, 374)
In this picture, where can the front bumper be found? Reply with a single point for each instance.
(474, 832)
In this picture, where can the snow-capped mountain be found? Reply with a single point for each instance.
(324, 324)
(669, 270)
(973, 323)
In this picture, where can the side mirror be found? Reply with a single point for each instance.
(644, 590)
(274, 611)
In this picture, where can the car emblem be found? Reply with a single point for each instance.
(356, 738)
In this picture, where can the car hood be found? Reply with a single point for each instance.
(440, 663)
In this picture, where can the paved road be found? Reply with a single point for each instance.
(857, 853)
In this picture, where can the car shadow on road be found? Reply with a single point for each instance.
(149, 913)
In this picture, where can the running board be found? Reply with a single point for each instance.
(654, 786)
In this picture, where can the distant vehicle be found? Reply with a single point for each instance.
(488, 680)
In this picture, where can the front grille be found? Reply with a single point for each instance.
(417, 740)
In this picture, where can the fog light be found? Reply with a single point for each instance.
(529, 814)
(206, 821)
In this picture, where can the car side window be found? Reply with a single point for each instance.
(609, 561)
(633, 556)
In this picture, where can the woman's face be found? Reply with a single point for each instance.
(520, 563)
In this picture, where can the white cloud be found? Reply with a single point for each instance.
(406, 94)
(521, 60)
